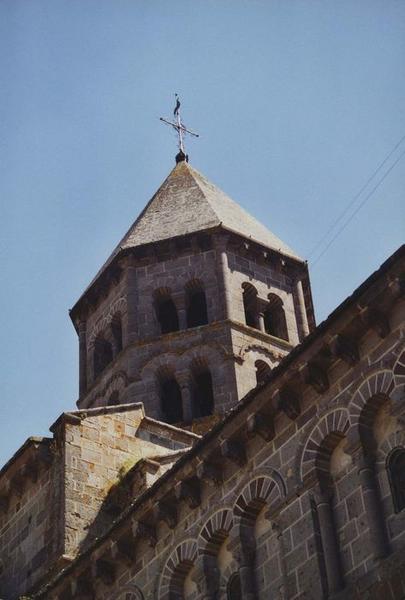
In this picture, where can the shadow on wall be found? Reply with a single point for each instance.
(117, 499)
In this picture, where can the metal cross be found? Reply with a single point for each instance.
(178, 126)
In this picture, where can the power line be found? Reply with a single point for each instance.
(377, 185)
(356, 197)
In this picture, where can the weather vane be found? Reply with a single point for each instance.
(180, 129)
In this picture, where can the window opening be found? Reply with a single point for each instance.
(167, 314)
(234, 591)
(396, 475)
(250, 305)
(196, 307)
(274, 318)
(203, 401)
(103, 355)
(171, 400)
(263, 370)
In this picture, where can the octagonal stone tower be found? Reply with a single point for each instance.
(196, 304)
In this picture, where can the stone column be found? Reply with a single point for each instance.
(372, 505)
(207, 577)
(114, 345)
(242, 546)
(247, 563)
(130, 328)
(180, 303)
(278, 527)
(82, 358)
(301, 308)
(222, 274)
(261, 322)
(183, 380)
(247, 584)
(329, 542)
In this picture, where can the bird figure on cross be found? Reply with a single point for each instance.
(180, 129)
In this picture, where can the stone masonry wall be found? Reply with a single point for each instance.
(293, 511)
(30, 540)
(252, 346)
(266, 278)
(99, 450)
(138, 284)
(174, 274)
(177, 353)
(133, 375)
(99, 322)
(140, 326)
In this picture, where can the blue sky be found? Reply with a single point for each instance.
(297, 103)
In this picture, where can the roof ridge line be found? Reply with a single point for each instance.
(290, 252)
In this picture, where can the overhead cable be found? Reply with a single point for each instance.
(362, 203)
(355, 198)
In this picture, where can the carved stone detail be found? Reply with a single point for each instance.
(378, 321)
(145, 531)
(210, 473)
(346, 348)
(167, 512)
(124, 548)
(260, 425)
(289, 402)
(190, 490)
(316, 376)
(234, 451)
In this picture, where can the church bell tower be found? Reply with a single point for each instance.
(194, 307)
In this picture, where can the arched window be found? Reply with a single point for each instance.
(274, 318)
(116, 328)
(196, 305)
(103, 355)
(262, 371)
(213, 551)
(250, 305)
(171, 400)
(178, 576)
(203, 394)
(233, 591)
(251, 516)
(396, 475)
(373, 423)
(166, 312)
(114, 398)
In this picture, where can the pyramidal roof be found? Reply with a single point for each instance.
(187, 202)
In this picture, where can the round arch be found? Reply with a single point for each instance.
(333, 423)
(177, 566)
(255, 495)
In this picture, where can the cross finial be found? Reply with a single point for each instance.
(180, 129)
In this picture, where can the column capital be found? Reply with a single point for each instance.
(321, 495)
(365, 463)
(183, 379)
